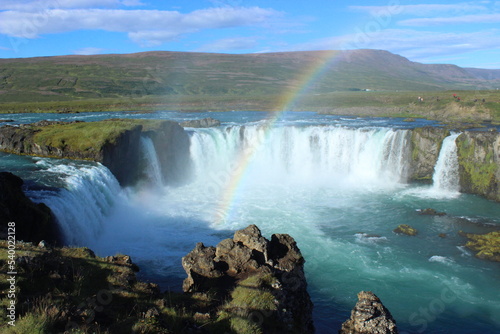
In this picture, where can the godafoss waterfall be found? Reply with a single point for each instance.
(339, 186)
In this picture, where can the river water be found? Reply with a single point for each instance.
(338, 185)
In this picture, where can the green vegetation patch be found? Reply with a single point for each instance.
(477, 174)
(406, 229)
(486, 245)
(252, 306)
(88, 138)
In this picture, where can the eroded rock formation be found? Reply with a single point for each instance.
(479, 163)
(263, 281)
(369, 316)
(425, 146)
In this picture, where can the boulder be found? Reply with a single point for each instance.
(486, 246)
(431, 212)
(369, 316)
(258, 282)
(406, 229)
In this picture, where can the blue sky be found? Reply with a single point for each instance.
(462, 33)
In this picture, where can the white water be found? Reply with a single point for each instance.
(446, 176)
(153, 168)
(83, 206)
(302, 155)
(338, 191)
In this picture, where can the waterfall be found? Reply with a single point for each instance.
(446, 178)
(303, 154)
(82, 205)
(153, 168)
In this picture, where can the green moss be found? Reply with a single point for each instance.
(476, 176)
(406, 229)
(486, 245)
(85, 137)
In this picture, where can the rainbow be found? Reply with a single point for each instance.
(310, 74)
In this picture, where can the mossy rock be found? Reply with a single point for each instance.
(406, 229)
(486, 245)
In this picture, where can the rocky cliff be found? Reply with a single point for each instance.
(425, 146)
(260, 283)
(114, 143)
(479, 163)
(369, 316)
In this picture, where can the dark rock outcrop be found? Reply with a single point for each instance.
(425, 146)
(431, 212)
(369, 316)
(172, 148)
(33, 222)
(263, 281)
(201, 123)
(479, 163)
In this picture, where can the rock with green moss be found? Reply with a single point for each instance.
(486, 246)
(479, 163)
(425, 146)
(406, 229)
(116, 143)
(261, 283)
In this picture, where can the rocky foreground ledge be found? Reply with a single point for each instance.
(245, 285)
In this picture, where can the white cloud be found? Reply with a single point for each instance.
(226, 44)
(424, 9)
(88, 51)
(44, 5)
(416, 45)
(466, 19)
(148, 27)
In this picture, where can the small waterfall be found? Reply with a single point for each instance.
(153, 168)
(446, 176)
(82, 206)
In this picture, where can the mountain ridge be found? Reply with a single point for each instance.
(175, 73)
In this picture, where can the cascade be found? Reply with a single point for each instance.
(153, 168)
(81, 207)
(303, 154)
(446, 177)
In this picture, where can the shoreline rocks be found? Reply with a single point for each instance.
(369, 316)
(258, 278)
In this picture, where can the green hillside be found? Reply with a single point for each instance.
(183, 74)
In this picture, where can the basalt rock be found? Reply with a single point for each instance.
(259, 280)
(431, 212)
(425, 146)
(369, 316)
(479, 163)
(33, 222)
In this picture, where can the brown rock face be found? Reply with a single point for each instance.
(369, 316)
(247, 258)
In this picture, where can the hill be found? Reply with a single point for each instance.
(66, 78)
